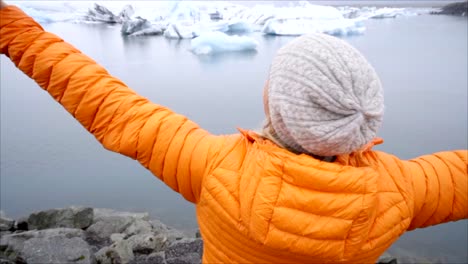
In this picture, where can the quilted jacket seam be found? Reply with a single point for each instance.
(155, 138)
(127, 121)
(39, 35)
(453, 187)
(98, 109)
(60, 97)
(148, 116)
(176, 181)
(438, 194)
(275, 204)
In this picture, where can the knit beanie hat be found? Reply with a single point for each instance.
(324, 98)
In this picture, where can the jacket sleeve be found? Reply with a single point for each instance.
(440, 187)
(170, 146)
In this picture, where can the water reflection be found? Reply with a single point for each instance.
(212, 59)
(176, 43)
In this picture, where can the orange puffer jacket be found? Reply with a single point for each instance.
(256, 202)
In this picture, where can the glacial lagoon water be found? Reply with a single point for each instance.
(48, 160)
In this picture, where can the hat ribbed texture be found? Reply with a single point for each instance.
(324, 97)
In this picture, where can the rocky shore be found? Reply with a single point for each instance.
(456, 9)
(86, 235)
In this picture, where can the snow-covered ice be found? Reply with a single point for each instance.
(216, 42)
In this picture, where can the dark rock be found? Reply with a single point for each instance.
(156, 258)
(187, 249)
(138, 226)
(15, 246)
(153, 258)
(107, 222)
(21, 224)
(148, 243)
(99, 233)
(191, 258)
(56, 249)
(113, 237)
(4, 233)
(13, 243)
(171, 233)
(6, 224)
(388, 261)
(117, 237)
(119, 252)
(139, 259)
(158, 226)
(457, 9)
(73, 217)
(5, 261)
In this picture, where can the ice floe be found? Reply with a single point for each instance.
(140, 27)
(216, 42)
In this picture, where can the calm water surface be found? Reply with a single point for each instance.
(48, 160)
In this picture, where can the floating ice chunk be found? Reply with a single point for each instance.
(307, 18)
(296, 27)
(222, 26)
(152, 31)
(239, 27)
(182, 30)
(126, 13)
(388, 12)
(374, 12)
(100, 13)
(216, 42)
(140, 27)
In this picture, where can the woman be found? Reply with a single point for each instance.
(306, 189)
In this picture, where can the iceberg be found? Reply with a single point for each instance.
(189, 19)
(100, 13)
(297, 27)
(216, 42)
(140, 27)
(239, 27)
(126, 13)
(307, 19)
(181, 30)
(364, 13)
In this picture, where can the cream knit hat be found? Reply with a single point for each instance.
(324, 97)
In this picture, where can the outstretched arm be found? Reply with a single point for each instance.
(169, 145)
(440, 187)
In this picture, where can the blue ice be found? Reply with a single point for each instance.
(216, 42)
